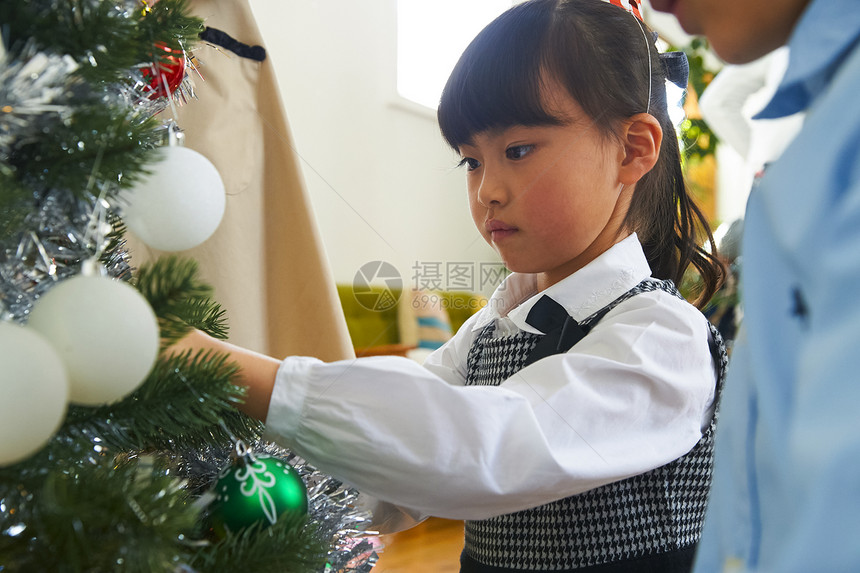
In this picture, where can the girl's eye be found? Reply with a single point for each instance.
(518, 151)
(469, 163)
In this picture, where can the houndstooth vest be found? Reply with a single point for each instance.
(650, 522)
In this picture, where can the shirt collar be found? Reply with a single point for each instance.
(617, 270)
(825, 32)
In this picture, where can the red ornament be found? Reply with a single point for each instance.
(165, 75)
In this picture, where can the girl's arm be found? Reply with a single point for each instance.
(630, 397)
(256, 371)
(633, 395)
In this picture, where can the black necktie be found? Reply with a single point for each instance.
(562, 331)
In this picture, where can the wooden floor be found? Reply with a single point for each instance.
(433, 546)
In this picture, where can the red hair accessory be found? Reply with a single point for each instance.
(631, 6)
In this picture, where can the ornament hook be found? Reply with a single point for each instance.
(242, 454)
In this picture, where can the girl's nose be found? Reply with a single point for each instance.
(492, 190)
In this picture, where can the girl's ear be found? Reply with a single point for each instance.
(641, 136)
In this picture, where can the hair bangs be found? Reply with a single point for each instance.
(497, 81)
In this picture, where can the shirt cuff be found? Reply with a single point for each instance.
(288, 397)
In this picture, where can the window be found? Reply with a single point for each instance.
(430, 38)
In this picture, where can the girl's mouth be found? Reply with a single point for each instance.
(498, 230)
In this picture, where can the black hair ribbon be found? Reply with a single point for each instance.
(676, 67)
(219, 38)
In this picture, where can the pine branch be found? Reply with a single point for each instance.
(181, 301)
(190, 402)
(16, 202)
(115, 255)
(170, 279)
(170, 23)
(111, 515)
(102, 143)
(200, 313)
(75, 27)
(289, 546)
(106, 38)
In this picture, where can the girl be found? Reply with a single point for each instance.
(569, 422)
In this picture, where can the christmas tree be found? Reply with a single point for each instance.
(111, 447)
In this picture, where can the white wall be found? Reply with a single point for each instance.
(382, 181)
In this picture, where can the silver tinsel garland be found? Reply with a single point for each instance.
(61, 234)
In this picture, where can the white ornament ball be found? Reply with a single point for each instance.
(34, 392)
(179, 205)
(104, 331)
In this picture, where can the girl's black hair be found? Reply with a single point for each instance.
(597, 51)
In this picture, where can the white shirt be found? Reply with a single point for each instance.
(633, 395)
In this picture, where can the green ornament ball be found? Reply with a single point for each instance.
(257, 489)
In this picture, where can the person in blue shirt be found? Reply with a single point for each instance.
(786, 493)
